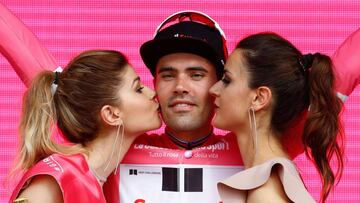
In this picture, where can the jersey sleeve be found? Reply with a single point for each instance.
(346, 61)
(22, 48)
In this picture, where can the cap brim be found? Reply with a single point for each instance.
(153, 50)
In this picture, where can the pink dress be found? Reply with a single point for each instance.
(73, 175)
(234, 189)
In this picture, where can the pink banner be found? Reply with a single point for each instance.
(65, 28)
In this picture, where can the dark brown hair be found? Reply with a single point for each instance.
(90, 81)
(274, 62)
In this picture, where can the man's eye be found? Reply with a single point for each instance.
(167, 76)
(197, 75)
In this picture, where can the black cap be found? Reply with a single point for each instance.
(186, 37)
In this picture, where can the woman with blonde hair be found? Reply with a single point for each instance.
(100, 106)
(267, 85)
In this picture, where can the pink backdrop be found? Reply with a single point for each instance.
(68, 27)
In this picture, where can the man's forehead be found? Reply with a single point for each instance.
(184, 62)
(176, 69)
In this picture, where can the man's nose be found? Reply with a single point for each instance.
(181, 86)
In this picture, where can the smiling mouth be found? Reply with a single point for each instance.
(182, 107)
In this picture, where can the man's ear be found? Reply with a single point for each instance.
(111, 115)
(262, 98)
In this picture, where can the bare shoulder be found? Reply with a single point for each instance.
(43, 188)
(271, 191)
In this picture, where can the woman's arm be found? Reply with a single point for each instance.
(43, 189)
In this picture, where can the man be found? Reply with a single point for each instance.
(184, 163)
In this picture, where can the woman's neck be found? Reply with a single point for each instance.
(267, 146)
(106, 152)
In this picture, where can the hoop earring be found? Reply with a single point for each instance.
(252, 122)
(121, 143)
(121, 125)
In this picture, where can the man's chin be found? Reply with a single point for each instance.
(182, 124)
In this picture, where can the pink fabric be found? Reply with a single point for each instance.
(234, 189)
(218, 158)
(145, 147)
(346, 60)
(68, 27)
(22, 48)
(72, 173)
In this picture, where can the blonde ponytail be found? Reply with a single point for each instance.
(90, 81)
(37, 123)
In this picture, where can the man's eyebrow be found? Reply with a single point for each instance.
(191, 68)
(165, 69)
(197, 68)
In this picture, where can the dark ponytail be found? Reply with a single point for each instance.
(322, 128)
(297, 81)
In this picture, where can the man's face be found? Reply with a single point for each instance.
(182, 85)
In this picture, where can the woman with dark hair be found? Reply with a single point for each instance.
(100, 107)
(267, 85)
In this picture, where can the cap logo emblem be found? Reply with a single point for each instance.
(187, 36)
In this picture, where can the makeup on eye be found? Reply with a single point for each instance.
(139, 87)
(226, 79)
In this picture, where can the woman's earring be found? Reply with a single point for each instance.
(121, 125)
(253, 131)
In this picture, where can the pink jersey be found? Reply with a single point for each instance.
(157, 170)
(73, 175)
